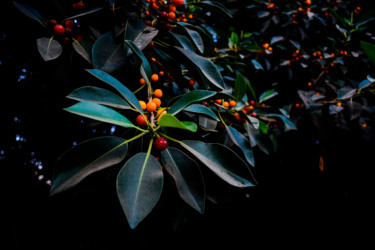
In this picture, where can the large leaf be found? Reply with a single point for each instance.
(195, 38)
(171, 121)
(201, 109)
(99, 112)
(86, 158)
(346, 93)
(98, 95)
(207, 69)
(222, 161)
(183, 41)
(189, 98)
(369, 49)
(145, 67)
(187, 176)
(48, 48)
(213, 6)
(124, 91)
(107, 55)
(29, 11)
(139, 185)
(243, 143)
(239, 87)
(139, 33)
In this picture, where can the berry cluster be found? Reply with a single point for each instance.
(166, 13)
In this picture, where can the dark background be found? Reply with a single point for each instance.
(295, 204)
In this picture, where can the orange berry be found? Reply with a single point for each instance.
(178, 2)
(157, 101)
(218, 101)
(172, 8)
(191, 82)
(154, 77)
(270, 48)
(141, 121)
(338, 104)
(226, 104)
(266, 45)
(143, 105)
(158, 93)
(151, 106)
(171, 15)
(232, 103)
(161, 73)
(191, 16)
(160, 113)
(142, 81)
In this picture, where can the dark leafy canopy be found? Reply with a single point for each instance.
(251, 75)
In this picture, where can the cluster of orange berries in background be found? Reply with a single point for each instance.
(167, 13)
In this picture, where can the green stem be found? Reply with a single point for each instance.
(138, 128)
(169, 138)
(135, 137)
(139, 89)
(221, 119)
(150, 146)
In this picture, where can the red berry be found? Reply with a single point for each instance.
(59, 29)
(164, 15)
(141, 121)
(52, 22)
(80, 5)
(161, 143)
(69, 24)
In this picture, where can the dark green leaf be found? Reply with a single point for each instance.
(234, 38)
(170, 121)
(183, 41)
(83, 48)
(346, 93)
(369, 49)
(207, 69)
(213, 6)
(145, 67)
(86, 158)
(189, 98)
(139, 33)
(222, 161)
(239, 87)
(187, 176)
(243, 143)
(124, 91)
(268, 94)
(100, 113)
(201, 109)
(48, 48)
(139, 186)
(98, 95)
(195, 38)
(29, 11)
(107, 55)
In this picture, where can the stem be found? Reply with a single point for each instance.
(169, 138)
(221, 119)
(135, 137)
(139, 89)
(150, 146)
(138, 128)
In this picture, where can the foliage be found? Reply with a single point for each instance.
(249, 82)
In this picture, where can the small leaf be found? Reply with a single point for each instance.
(346, 93)
(268, 94)
(201, 109)
(222, 161)
(83, 48)
(124, 91)
(276, 39)
(242, 143)
(234, 38)
(256, 64)
(48, 48)
(170, 121)
(213, 6)
(98, 95)
(145, 67)
(100, 113)
(369, 49)
(189, 98)
(139, 186)
(29, 11)
(365, 83)
(107, 55)
(86, 158)
(139, 33)
(239, 87)
(187, 176)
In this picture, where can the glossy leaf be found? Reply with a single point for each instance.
(239, 87)
(139, 33)
(183, 41)
(83, 48)
(98, 95)
(86, 158)
(48, 48)
(189, 98)
(207, 69)
(195, 38)
(29, 11)
(139, 186)
(213, 6)
(100, 113)
(201, 109)
(369, 49)
(224, 162)
(346, 93)
(124, 91)
(268, 94)
(171, 121)
(253, 133)
(187, 176)
(243, 143)
(145, 67)
(107, 55)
